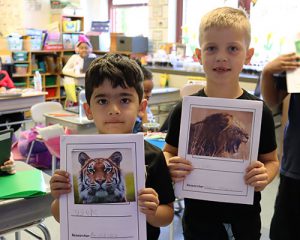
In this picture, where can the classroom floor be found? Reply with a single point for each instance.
(267, 203)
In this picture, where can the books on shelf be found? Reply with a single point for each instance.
(23, 184)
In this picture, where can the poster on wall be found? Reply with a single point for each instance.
(220, 137)
(106, 172)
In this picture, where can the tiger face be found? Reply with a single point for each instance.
(100, 179)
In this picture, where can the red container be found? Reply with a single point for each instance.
(51, 92)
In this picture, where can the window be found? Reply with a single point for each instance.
(192, 13)
(130, 17)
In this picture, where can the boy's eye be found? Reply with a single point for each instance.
(125, 100)
(233, 49)
(102, 101)
(210, 48)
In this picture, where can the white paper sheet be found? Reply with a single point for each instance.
(293, 81)
(106, 214)
(221, 138)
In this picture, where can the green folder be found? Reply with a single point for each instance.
(23, 184)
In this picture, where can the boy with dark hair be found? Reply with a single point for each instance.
(224, 41)
(114, 94)
(147, 115)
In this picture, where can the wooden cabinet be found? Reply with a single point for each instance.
(47, 62)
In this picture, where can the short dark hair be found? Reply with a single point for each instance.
(147, 74)
(118, 69)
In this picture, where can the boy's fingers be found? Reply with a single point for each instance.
(60, 185)
(59, 178)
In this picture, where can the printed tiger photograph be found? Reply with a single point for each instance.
(220, 133)
(103, 176)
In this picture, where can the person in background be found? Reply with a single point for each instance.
(83, 49)
(224, 40)
(285, 223)
(7, 83)
(8, 166)
(147, 115)
(114, 94)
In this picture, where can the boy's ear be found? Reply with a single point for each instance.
(249, 55)
(198, 54)
(142, 107)
(88, 111)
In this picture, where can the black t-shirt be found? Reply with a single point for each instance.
(219, 211)
(158, 178)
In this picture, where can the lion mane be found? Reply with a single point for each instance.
(218, 135)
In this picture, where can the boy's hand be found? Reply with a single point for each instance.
(9, 166)
(148, 201)
(60, 183)
(282, 63)
(179, 168)
(257, 176)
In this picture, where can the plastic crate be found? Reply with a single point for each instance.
(21, 68)
(14, 43)
(51, 92)
(20, 56)
(50, 80)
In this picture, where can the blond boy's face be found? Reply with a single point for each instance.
(223, 53)
(114, 110)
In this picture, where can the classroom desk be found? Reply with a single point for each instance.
(72, 121)
(21, 213)
(20, 103)
(79, 79)
(162, 100)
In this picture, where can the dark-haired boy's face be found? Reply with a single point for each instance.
(114, 110)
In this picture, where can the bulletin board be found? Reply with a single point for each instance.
(11, 13)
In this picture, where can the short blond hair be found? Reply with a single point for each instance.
(226, 17)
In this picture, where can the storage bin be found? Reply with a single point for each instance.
(20, 56)
(32, 43)
(50, 80)
(15, 43)
(21, 69)
(51, 92)
(132, 44)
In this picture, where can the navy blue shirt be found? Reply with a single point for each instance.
(290, 163)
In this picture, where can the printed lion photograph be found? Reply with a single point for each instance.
(220, 134)
(102, 180)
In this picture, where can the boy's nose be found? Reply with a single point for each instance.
(114, 110)
(221, 57)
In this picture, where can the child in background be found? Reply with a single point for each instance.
(114, 94)
(147, 115)
(83, 49)
(8, 166)
(286, 219)
(224, 40)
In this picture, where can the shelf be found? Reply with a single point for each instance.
(52, 98)
(21, 75)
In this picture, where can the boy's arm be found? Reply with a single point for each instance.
(179, 167)
(169, 151)
(163, 216)
(55, 209)
(260, 173)
(157, 215)
(271, 94)
(59, 184)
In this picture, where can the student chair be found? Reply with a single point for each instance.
(38, 110)
(37, 114)
(192, 86)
